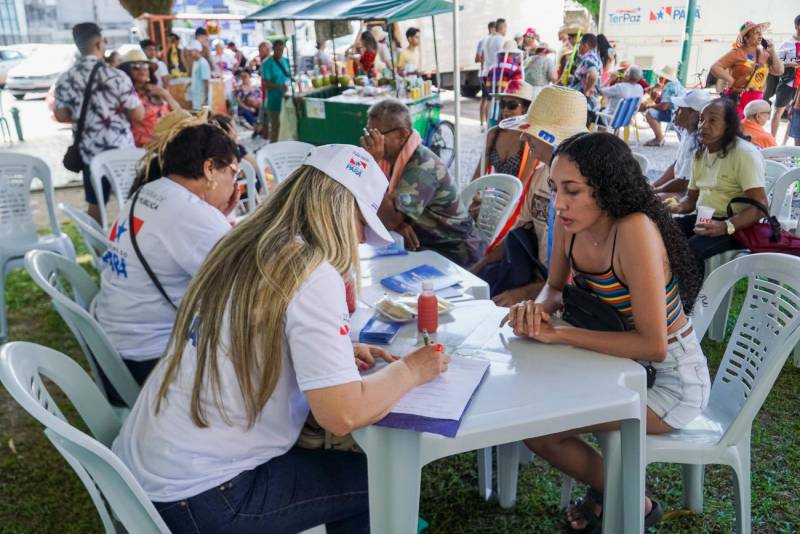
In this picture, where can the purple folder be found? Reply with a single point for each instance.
(444, 427)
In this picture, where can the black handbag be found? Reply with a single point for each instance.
(584, 309)
(72, 158)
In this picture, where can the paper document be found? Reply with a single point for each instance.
(447, 396)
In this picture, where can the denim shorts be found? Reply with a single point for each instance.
(682, 384)
(794, 131)
(661, 115)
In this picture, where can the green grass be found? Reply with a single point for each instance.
(39, 493)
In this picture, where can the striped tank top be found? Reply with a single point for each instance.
(609, 288)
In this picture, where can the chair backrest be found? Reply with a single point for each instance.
(282, 158)
(49, 271)
(118, 165)
(788, 155)
(782, 192)
(22, 367)
(250, 181)
(16, 214)
(499, 196)
(90, 231)
(643, 162)
(624, 113)
(766, 331)
(772, 171)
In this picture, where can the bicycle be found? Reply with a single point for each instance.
(700, 80)
(440, 136)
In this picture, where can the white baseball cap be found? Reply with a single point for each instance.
(195, 45)
(695, 99)
(357, 170)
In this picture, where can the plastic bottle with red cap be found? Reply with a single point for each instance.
(427, 309)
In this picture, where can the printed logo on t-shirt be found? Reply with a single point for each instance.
(115, 258)
(344, 328)
(356, 165)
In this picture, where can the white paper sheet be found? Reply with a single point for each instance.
(447, 396)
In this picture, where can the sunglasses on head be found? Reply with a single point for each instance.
(510, 105)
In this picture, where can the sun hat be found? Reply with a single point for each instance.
(757, 106)
(510, 46)
(195, 46)
(695, 99)
(137, 56)
(521, 90)
(747, 27)
(378, 33)
(557, 113)
(530, 32)
(668, 72)
(571, 29)
(543, 46)
(357, 170)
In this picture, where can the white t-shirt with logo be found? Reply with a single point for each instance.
(173, 459)
(175, 230)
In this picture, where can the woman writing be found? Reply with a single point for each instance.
(260, 339)
(626, 251)
(156, 100)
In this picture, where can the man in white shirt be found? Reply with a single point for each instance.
(789, 53)
(480, 58)
(492, 46)
(629, 87)
(162, 74)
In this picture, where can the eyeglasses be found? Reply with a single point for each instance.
(510, 105)
(387, 132)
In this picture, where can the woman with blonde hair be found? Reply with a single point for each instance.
(261, 338)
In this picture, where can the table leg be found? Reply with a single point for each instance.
(633, 471)
(394, 471)
(485, 472)
(507, 473)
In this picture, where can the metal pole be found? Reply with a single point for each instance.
(394, 63)
(333, 45)
(435, 54)
(683, 66)
(457, 92)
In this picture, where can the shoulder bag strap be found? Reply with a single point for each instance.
(85, 103)
(139, 254)
(283, 69)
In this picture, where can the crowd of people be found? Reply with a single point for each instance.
(222, 324)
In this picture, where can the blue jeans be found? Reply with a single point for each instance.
(250, 116)
(704, 247)
(291, 493)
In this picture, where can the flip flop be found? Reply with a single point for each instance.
(655, 515)
(654, 143)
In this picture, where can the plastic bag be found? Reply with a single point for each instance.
(288, 121)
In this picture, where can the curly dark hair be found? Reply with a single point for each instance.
(620, 188)
(733, 127)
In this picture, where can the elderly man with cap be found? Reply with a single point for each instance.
(629, 87)
(423, 202)
(513, 273)
(111, 107)
(756, 116)
(673, 183)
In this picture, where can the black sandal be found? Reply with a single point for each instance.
(655, 515)
(594, 522)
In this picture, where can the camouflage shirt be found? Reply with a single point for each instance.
(429, 198)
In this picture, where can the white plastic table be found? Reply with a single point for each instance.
(531, 390)
(373, 270)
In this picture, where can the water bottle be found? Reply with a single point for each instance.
(427, 309)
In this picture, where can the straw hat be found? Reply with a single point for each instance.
(378, 33)
(572, 29)
(543, 46)
(668, 72)
(510, 46)
(137, 56)
(556, 114)
(749, 26)
(521, 90)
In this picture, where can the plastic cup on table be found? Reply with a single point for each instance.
(704, 214)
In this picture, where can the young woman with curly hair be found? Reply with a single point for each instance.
(628, 252)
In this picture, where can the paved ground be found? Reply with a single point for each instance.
(49, 140)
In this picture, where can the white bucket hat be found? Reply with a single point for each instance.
(556, 114)
(357, 170)
(695, 99)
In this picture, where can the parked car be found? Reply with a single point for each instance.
(8, 59)
(36, 73)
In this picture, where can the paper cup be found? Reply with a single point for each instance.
(704, 214)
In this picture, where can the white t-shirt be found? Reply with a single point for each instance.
(685, 157)
(620, 91)
(173, 459)
(491, 46)
(161, 71)
(175, 230)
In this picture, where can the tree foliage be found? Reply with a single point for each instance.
(137, 7)
(592, 5)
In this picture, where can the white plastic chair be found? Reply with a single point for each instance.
(90, 232)
(250, 180)
(48, 270)
(767, 329)
(18, 232)
(119, 167)
(499, 196)
(787, 155)
(117, 496)
(282, 158)
(780, 197)
(643, 162)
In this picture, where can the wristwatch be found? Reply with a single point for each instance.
(730, 227)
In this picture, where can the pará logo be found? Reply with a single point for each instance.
(356, 165)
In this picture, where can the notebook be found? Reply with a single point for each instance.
(379, 330)
(410, 281)
(368, 252)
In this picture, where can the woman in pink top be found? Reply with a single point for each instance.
(157, 101)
